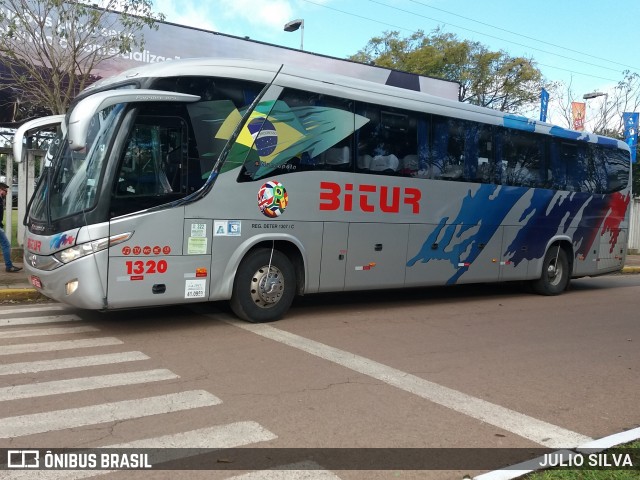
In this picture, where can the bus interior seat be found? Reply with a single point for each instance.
(364, 162)
(385, 163)
(409, 164)
(483, 173)
(452, 172)
(337, 157)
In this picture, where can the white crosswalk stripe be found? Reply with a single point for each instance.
(8, 322)
(295, 471)
(33, 309)
(54, 346)
(177, 445)
(71, 362)
(41, 332)
(11, 427)
(57, 387)
(224, 436)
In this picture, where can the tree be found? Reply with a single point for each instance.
(604, 115)
(48, 48)
(490, 79)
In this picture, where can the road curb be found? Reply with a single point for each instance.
(20, 294)
(631, 270)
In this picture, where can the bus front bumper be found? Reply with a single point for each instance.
(78, 283)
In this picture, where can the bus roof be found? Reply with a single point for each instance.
(344, 86)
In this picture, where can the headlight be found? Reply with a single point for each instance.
(79, 251)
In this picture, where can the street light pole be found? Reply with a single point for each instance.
(294, 25)
(591, 96)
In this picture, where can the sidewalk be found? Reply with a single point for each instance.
(16, 286)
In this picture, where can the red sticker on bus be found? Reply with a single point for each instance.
(166, 249)
(126, 250)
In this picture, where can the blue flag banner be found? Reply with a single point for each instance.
(630, 120)
(544, 102)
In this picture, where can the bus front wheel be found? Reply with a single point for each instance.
(555, 273)
(264, 286)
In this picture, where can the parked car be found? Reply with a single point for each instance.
(14, 195)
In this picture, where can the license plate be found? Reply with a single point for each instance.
(36, 282)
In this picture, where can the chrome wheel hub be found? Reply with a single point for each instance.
(267, 286)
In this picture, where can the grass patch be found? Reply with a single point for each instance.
(14, 228)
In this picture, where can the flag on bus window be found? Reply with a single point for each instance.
(578, 111)
(544, 103)
(631, 120)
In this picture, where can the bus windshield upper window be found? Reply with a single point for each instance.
(76, 175)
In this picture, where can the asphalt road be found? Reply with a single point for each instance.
(465, 367)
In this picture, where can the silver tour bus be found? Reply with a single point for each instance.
(206, 179)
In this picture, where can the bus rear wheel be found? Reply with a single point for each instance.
(264, 286)
(555, 273)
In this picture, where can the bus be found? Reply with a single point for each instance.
(212, 179)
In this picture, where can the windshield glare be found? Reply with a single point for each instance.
(72, 177)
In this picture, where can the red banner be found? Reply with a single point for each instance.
(578, 112)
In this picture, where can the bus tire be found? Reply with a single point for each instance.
(555, 273)
(261, 294)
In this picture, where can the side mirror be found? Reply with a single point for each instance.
(38, 123)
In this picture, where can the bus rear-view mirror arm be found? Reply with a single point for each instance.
(38, 123)
(84, 111)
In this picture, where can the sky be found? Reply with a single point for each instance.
(584, 43)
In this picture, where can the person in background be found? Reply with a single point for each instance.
(4, 241)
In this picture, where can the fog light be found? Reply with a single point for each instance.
(71, 287)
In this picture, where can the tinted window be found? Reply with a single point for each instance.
(522, 159)
(171, 149)
(388, 143)
(301, 131)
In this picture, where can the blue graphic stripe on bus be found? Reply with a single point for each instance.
(484, 212)
(548, 214)
(62, 240)
(520, 123)
(568, 210)
(529, 125)
(574, 135)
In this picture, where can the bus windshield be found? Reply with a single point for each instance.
(71, 178)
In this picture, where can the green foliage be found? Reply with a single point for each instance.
(487, 78)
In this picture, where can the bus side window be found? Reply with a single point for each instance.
(448, 149)
(143, 171)
(617, 164)
(485, 172)
(571, 155)
(307, 131)
(522, 159)
(388, 142)
(315, 109)
(153, 167)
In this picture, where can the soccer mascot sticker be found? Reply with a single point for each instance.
(272, 199)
